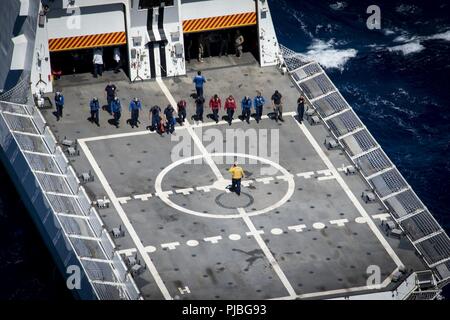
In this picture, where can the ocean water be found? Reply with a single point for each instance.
(396, 79)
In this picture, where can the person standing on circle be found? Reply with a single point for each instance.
(237, 173)
(199, 81)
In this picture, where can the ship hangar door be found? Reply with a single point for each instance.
(217, 34)
(72, 40)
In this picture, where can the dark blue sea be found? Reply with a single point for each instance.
(397, 79)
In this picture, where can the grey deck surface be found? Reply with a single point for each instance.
(211, 253)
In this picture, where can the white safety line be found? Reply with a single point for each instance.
(350, 195)
(126, 222)
(276, 267)
(241, 211)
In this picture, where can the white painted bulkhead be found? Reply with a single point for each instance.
(103, 16)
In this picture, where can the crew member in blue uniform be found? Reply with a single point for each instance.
(155, 117)
(116, 109)
(300, 108)
(94, 107)
(59, 103)
(135, 107)
(259, 102)
(168, 112)
(246, 105)
(199, 107)
(199, 81)
(111, 90)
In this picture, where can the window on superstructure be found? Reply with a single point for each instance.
(145, 4)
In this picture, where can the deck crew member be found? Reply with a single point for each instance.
(181, 106)
(98, 62)
(239, 44)
(300, 108)
(116, 109)
(116, 57)
(246, 105)
(59, 103)
(111, 90)
(277, 104)
(199, 81)
(215, 104)
(230, 107)
(199, 106)
(168, 112)
(237, 173)
(259, 102)
(155, 117)
(135, 107)
(94, 107)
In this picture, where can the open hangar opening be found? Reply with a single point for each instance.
(217, 35)
(73, 39)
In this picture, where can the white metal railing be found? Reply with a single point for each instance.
(73, 229)
(294, 62)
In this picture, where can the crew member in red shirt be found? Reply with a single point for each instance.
(181, 111)
(230, 107)
(215, 104)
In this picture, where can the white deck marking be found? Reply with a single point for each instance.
(350, 194)
(340, 222)
(325, 172)
(185, 191)
(297, 228)
(265, 180)
(213, 240)
(276, 231)
(385, 283)
(326, 178)
(170, 245)
(205, 188)
(241, 211)
(247, 183)
(306, 175)
(381, 216)
(192, 243)
(361, 220)
(251, 233)
(234, 237)
(143, 197)
(124, 200)
(318, 225)
(127, 252)
(126, 222)
(276, 267)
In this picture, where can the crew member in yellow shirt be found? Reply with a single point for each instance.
(237, 173)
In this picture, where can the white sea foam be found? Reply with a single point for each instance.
(328, 56)
(408, 48)
(440, 36)
(413, 44)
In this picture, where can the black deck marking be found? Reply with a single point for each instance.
(162, 55)
(150, 25)
(162, 33)
(152, 60)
